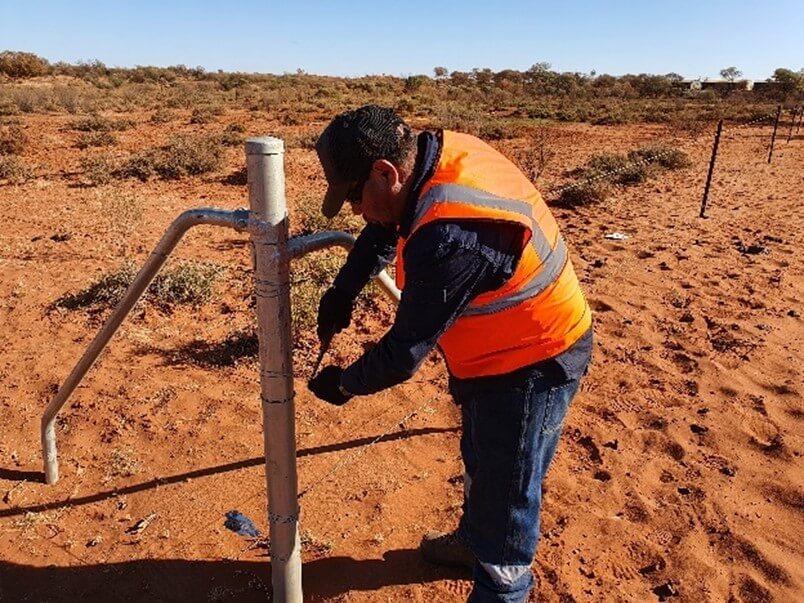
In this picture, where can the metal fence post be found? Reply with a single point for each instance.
(711, 168)
(266, 187)
(775, 127)
(793, 114)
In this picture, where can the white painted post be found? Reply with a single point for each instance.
(266, 187)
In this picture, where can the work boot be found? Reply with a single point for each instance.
(447, 549)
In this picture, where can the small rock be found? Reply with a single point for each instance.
(140, 526)
(665, 590)
(793, 313)
(61, 237)
(699, 429)
(614, 444)
(95, 541)
(683, 490)
(703, 411)
(726, 470)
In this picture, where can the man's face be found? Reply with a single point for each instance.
(376, 198)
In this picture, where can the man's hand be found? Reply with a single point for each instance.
(327, 386)
(334, 313)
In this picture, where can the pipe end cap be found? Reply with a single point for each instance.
(265, 145)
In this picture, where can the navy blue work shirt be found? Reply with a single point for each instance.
(447, 264)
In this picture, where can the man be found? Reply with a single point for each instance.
(484, 274)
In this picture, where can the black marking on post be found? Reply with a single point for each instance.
(711, 168)
(775, 127)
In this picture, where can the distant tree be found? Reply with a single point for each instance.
(414, 82)
(22, 64)
(730, 74)
(789, 80)
(440, 73)
(674, 77)
(483, 77)
(459, 77)
(540, 67)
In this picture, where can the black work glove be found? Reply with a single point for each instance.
(334, 313)
(327, 386)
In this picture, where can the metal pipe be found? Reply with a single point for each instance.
(238, 219)
(302, 245)
(266, 190)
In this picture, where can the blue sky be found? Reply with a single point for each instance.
(694, 38)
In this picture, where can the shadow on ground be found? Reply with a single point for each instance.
(219, 581)
(36, 476)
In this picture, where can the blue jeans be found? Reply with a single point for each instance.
(511, 428)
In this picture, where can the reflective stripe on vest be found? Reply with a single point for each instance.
(552, 258)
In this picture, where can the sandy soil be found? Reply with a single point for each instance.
(679, 475)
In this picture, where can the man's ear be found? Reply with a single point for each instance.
(388, 172)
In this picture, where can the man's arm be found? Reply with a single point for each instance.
(374, 248)
(446, 266)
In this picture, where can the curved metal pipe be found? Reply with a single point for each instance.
(302, 245)
(238, 219)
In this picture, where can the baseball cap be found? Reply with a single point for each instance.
(349, 146)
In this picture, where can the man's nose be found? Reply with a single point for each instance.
(356, 209)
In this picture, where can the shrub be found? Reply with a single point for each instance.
(106, 292)
(182, 156)
(97, 123)
(203, 115)
(22, 64)
(188, 156)
(95, 139)
(162, 116)
(583, 193)
(499, 130)
(186, 283)
(668, 157)
(14, 169)
(13, 140)
(619, 167)
(233, 135)
(98, 169)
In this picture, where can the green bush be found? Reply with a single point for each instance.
(186, 283)
(619, 168)
(106, 292)
(583, 193)
(665, 156)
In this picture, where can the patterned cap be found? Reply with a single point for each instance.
(349, 146)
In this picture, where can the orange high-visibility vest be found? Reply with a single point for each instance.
(540, 311)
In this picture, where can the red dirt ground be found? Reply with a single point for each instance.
(681, 457)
